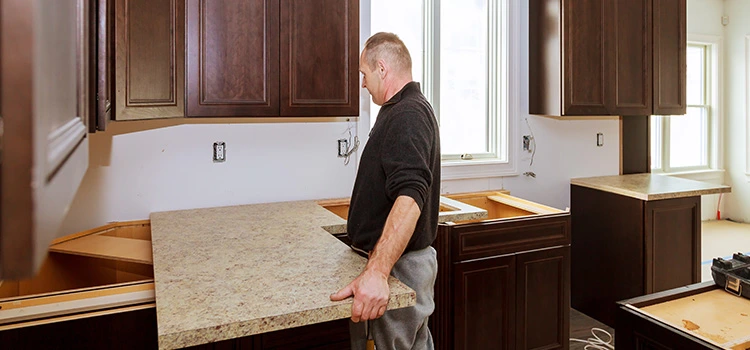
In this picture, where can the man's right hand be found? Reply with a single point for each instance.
(370, 290)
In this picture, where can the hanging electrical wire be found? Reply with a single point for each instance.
(533, 142)
(354, 143)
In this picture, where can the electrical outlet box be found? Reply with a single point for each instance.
(220, 152)
(343, 147)
(527, 142)
(600, 139)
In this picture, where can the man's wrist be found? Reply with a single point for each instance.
(375, 269)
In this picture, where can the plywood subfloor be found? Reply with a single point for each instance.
(715, 315)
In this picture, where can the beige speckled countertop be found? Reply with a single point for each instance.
(228, 272)
(649, 187)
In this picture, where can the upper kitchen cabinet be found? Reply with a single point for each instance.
(45, 103)
(233, 58)
(149, 59)
(670, 61)
(272, 58)
(319, 57)
(607, 57)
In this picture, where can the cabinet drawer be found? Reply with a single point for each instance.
(489, 238)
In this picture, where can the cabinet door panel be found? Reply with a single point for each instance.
(150, 59)
(45, 89)
(484, 292)
(586, 25)
(542, 299)
(631, 53)
(670, 65)
(233, 58)
(673, 238)
(319, 57)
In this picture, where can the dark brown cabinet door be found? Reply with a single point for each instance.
(483, 304)
(105, 63)
(319, 57)
(543, 299)
(44, 106)
(586, 83)
(672, 238)
(232, 58)
(630, 61)
(670, 65)
(150, 59)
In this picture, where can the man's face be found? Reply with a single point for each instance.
(371, 80)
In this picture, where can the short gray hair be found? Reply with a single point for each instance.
(389, 48)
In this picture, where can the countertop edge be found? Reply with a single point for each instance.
(272, 323)
(652, 196)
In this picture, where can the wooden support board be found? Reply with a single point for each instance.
(115, 248)
(716, 316)
(76, 303)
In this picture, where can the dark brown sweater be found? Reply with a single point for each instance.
(402, 157)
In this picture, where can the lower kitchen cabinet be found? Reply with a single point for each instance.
(123, 330)
(95, 290)
(625, 247)
(512, 301)
(503, 282)
(697, 316)
(137, 329)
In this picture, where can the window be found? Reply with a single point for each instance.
(458, 49)
(685, 142)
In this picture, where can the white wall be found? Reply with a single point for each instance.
(135, 171)
(140, 167)
(736, 102)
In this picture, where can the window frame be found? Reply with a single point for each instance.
(504, 18)
(712, 104)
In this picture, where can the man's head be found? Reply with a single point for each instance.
(385, 64)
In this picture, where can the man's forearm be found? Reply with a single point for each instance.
(397, 232)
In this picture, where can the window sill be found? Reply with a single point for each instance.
(475, 169)
(711, 175)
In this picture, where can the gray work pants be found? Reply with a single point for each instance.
(406, 328)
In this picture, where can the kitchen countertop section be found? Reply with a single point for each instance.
(649, 187)
(229, 272)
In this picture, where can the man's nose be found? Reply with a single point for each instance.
(364, 85)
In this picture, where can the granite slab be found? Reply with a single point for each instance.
(450, 210)
(649, 187)
(228, 272)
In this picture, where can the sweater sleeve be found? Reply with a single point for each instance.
(406, 157)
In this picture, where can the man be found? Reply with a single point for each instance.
(395, 202)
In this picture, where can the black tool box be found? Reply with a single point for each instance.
(733, 275)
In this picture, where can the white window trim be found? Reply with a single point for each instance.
(747, 106)
(484, 168)
(716, 149)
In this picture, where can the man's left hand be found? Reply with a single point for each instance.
(370, 290)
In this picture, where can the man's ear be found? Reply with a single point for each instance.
(382, 69)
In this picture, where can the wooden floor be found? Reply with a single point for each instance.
(580, 328)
